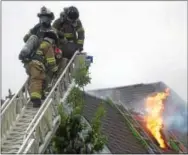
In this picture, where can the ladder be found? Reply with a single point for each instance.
(135, 127)
(151, 146)
(7, 99)
(25, 129)
(176, 144)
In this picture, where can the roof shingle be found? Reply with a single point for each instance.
(120, 138)
(133, 98)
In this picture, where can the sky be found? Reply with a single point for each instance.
(131, 42)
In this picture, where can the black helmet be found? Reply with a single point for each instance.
(46, 12)
(72, 13)
(51, 34)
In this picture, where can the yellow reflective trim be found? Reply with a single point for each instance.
(68, 35)
(44, 44)
(51, 63)
(35, 95)
(80, 29)
(50, 60)
(54, 69)
(39, 52)
(80, 41)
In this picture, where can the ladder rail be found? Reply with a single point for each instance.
(148, 146)
(8, 102)
(36, 127)
(13, 110)
(5, 104)
(173, 138)
(55, 96)
(30, 144)
(50, 94)
(139, 126)
(83, 133)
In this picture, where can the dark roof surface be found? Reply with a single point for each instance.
(120, 138)
(133, 98)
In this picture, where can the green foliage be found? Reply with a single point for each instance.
(81, 75)
(110, 102)
(75, 97)
(95, 137)
(68, 137)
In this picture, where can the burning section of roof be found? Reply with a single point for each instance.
(152, 121)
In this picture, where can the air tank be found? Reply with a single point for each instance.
(30, 46)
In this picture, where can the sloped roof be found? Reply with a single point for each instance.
(120, 138)
(133, 98)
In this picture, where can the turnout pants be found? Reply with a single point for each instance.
(50, 79)
(36, 73)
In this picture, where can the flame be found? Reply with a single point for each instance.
(153, 118)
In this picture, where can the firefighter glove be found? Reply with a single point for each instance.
(60, 34)
(63, 41)
(54, 69)
(80, 49)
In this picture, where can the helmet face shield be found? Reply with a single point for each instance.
(45, 20)
(70, 20)
(72, 16)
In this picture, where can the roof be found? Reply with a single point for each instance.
(120, 138)
(133, 98)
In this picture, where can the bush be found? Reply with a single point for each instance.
(73, 134)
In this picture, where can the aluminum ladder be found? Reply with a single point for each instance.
(25, 129)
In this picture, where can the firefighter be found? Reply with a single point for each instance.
(70, 31)
(38, 54)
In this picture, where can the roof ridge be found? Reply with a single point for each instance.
(126, 86)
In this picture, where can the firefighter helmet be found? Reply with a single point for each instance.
(52, 34)
(46, 12)
(72, 13)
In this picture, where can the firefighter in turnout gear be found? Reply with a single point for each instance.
(38, 54)
(70, 31)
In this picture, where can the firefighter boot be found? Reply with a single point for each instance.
(36, 103)
(44, 90)
(43, 95)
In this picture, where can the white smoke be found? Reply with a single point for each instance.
(176, 119)
(175, 112)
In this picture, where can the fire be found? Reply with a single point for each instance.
(153, 118)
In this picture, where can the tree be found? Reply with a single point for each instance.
(73, 134)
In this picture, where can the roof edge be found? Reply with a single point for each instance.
(132, 85)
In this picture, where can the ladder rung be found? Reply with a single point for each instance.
(16, 133)
(16, 137)
(9, 151)
(5, 147)
(11, 142)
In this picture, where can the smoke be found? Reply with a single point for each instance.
(175, 114)
(177, 122)
(101, 94)
(175, 118)
(119, 97)
(175, 111)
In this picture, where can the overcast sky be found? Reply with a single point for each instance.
(132, 42)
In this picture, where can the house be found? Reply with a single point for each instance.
(130, 99)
